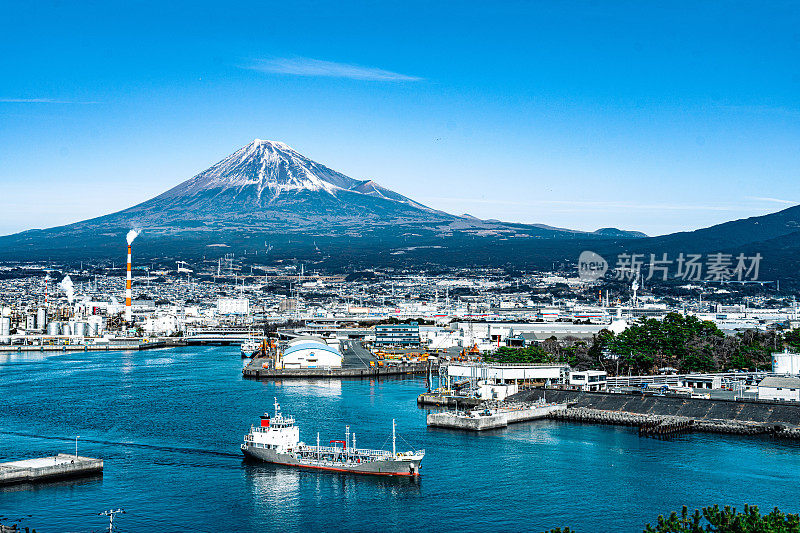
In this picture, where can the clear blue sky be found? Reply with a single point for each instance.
(658, 116)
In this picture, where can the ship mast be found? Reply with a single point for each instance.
(394, 451)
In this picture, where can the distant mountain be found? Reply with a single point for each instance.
(268, 198)
(776, 237)
(614, 232)
(735, 233)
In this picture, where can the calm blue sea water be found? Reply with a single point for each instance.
(168, 425)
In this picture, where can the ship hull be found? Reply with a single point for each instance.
(407, 468)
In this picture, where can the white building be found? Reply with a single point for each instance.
(702, 381)
(779, 388)
(496, 391)
(233, 306)
(310, 352)
(161, 325)
(589, 380)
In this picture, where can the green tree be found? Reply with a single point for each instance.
(727, 520)
(529, 354)
(792, 339)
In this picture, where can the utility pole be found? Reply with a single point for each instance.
(110, 514)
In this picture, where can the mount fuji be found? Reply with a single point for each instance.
(268, 198)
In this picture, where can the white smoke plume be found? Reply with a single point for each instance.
(68, 288)
(132, 234)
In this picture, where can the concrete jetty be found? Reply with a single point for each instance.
(483, 419)
(45, 468)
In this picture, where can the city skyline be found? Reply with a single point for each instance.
(650, 119)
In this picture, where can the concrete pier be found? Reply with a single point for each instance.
(45, 468)
(493, 419)
(441, 400)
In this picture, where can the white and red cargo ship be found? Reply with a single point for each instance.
(277, 440)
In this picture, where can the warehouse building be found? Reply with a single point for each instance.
(310, 352)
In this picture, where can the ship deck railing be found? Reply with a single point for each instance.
(349, 451)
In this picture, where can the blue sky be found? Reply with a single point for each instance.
(652, 116)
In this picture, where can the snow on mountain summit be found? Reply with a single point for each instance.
(265, 170)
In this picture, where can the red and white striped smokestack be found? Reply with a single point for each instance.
(128, 281)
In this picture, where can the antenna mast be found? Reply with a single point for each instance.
(394, 439)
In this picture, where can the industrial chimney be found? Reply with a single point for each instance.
(132, 234)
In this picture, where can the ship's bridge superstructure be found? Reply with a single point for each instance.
(277, 433)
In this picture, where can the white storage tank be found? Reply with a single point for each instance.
(96, 325)
(41, 318)
(786, 363)
(5, 326)
(53, 329)
(79, 329)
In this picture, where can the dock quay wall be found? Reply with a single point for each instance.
(99, 347)
(740, 417)
(255, 371)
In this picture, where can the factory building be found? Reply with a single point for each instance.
(310, 352)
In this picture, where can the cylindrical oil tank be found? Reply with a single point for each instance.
(786, 363)
(54, 328)
(66, 328)
(79, 329)
(5, 326)
(41, 318)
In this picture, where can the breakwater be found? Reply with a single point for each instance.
(661, 415)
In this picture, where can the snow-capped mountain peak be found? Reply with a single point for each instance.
(263, 171)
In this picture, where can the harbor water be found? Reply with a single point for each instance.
(168, 424)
